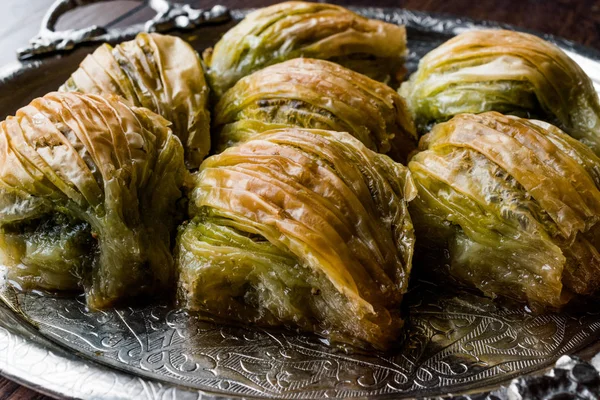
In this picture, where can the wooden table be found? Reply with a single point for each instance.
(578, 20)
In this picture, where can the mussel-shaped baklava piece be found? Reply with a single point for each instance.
(508, 72)
(295, 29)
(512, 205)
(318, 94)
(306, 229)
(89, 191)
(160, 72)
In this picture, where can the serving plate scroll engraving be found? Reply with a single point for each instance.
(451, 345)
(168, 16)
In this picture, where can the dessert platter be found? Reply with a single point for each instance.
(301, 201)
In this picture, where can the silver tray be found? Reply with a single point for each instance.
(453, 344)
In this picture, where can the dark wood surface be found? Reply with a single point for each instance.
(577, 20)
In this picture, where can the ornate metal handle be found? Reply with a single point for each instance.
(168, 16)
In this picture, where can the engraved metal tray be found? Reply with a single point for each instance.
(453, 344)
